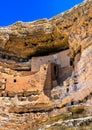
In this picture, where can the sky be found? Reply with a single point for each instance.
(12, 11)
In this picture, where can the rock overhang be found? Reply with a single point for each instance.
(24, 40)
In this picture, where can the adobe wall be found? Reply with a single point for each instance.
(40, 82)
(60, 58)
(23, 85)
(64, 73)
(48, 82)
(51, 79)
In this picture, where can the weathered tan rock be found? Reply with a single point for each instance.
(29, 98)
(24, 40)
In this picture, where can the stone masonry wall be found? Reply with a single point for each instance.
(62, 58)
(12, 85)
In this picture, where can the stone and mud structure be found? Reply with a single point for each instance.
(46, 72)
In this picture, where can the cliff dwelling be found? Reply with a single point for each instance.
(55, 69)
(62, 61)
(46, 72)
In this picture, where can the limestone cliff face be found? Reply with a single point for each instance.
(77, 24)
(38, 100)
(24, 40)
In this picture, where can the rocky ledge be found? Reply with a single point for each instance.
(46, 72)
(21, 41)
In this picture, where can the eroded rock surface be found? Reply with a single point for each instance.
(45, 72)
(24, 40)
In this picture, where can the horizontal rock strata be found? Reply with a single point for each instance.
(46, 72)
